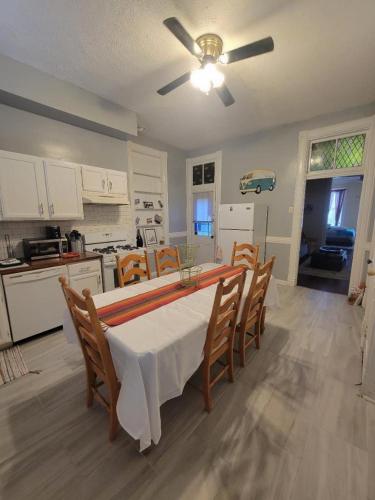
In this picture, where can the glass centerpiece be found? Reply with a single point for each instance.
(189, 271)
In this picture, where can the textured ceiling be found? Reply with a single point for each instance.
(323, 59)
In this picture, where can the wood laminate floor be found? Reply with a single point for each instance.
(290, 427)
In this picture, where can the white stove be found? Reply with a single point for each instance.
(109, 244)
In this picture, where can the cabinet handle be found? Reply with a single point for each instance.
(52, 209)
(110, 185)
(41, 209)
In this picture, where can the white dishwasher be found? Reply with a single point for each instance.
(35, 301)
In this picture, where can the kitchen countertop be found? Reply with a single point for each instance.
(45, 263)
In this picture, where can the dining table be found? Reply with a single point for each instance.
(156, 353)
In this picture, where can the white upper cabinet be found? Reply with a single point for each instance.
(94, 179)
(101, 185)
(22, 187)
(64, 190)
(117, 183)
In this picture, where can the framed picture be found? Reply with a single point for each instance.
(150, 236)
(148, 204)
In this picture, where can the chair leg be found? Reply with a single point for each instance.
(91, 379)
(242, 338)
(263, 319)
(258, 331)
(206, 386)
(113, 423)
(230, 363)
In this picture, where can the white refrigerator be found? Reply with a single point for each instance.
(243, 223)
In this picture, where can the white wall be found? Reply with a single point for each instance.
(274, 149)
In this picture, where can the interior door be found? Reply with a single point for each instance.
(203, 195)
(64, 190)
(22, 187)
(203, 225)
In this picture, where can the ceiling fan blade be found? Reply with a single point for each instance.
(174, 25)
(176, 83)
(225, 95)
(250, 50)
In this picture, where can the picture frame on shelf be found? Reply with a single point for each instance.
(150, 236)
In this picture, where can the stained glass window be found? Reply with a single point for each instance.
(345, 152)
(350, 151)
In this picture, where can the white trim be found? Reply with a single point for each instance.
(180, 234)
(281, 240)
(366, 125)
(284, 282)
(217, 158)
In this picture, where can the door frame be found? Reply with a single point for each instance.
(365, 125)
(217, 158)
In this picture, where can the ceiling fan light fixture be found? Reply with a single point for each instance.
(224, 58)
(200, 80)
(206, 78)
(217, 77)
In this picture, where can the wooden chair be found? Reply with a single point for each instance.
(220, 333)
(128, 268)
(167, 259)
(245, 252)
(253, 310)
(96, 352)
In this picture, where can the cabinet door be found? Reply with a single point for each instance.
(64, 190)
(94, 180)
(117, 183)
(5, 337)
(92, 281)
(22, 187)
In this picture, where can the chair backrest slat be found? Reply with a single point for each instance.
(257, 292)
(246, 254)
(167, 260)
(224, 314)
(128, 268)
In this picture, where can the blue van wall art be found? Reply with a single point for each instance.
(257, 181)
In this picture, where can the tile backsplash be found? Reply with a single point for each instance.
(96, 218)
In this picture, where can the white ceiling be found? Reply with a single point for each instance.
(119, 49)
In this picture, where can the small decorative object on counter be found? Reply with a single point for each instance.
(160, 204)
(137, 220)
(158, 219)
(150, 236)
(137, 201)
(139, 239)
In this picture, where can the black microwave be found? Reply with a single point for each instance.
(44, 248)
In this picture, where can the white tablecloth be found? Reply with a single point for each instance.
(156, 353)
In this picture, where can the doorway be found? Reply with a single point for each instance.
(203, 186)
(328, 233)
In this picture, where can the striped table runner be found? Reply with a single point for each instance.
(124, 310)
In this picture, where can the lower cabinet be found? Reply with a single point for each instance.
(5, 336)
(87, 274)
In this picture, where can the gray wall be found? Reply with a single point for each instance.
(275, 149)
(27, 133)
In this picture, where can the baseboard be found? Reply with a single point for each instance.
(284, 282)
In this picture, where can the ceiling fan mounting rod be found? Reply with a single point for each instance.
(211, 46)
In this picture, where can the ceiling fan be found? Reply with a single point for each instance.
(208, 49)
